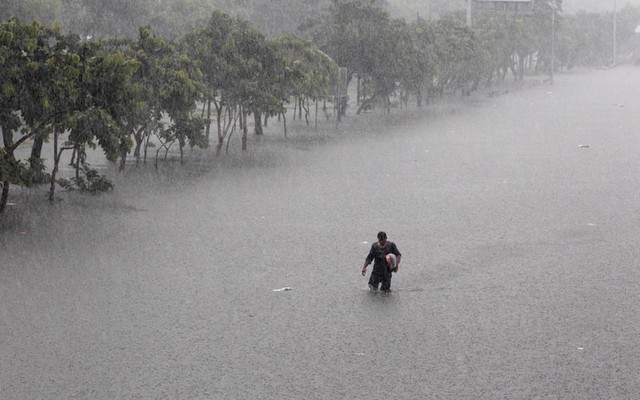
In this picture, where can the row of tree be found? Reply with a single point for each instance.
(426, 58)
(118, 93)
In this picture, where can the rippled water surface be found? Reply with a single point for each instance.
(518, 217)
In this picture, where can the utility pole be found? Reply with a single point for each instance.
(615, 32)
(553, 41)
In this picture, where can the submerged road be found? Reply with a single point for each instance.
(518, 217)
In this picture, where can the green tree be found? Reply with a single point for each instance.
(350, 32)
(56, 83)
(420, 72)
(460, 61)
(25, 87)
(236, 61)
(108, 96)
(178, 97)
(214, 51)
(165, 91)
(493, 35)
(307, 72)
(92, 92)
(392, 64)
(628, 19)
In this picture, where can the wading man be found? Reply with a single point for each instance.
(386, 259)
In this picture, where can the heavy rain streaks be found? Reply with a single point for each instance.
(185, 210)
(518, 277)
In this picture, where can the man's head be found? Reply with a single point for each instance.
(382, 237)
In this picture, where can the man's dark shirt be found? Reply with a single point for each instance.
(378, 255)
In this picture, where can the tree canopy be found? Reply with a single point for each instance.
(171, 79)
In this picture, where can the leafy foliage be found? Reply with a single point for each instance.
(88, 181)
(79, 92)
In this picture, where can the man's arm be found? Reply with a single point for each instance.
(368, 260)
(364, 267)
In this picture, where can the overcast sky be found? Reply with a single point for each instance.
(426, 8)
(595, 5)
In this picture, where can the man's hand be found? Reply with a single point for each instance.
(364, 271)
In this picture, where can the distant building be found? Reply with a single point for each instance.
(513, 7)
(636, 45)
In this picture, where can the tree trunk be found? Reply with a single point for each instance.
(123, 154)
(358, 91)
(54, 171)
(387, 103)
(520, 67)
(295, 106)
(147, 136)
(35, 161)
(36, 149)
(219, 146)
(73, 157)
(139, 137)
(208, 117)
(257, 118)
(284, 118)
(79, 160)
(7, 137)
(5, 196)
(490, 78)
(57, 155)
(342, 109)
(243, 118)
(220, 136)
(365, 103)
(305, 106)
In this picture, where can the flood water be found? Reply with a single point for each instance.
(518, 217)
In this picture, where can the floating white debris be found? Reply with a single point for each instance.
(583, 146)
(284, 289)
(365, 242)
(591, 224)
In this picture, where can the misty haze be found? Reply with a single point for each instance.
(190, 189)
